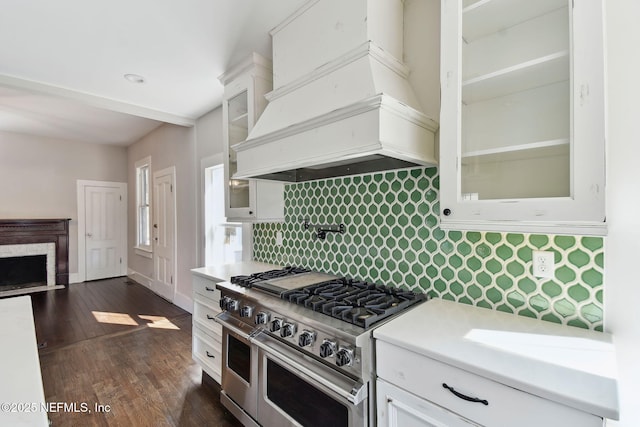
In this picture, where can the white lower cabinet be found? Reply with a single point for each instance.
(207, 351)
(399, 408)
(206, 333)
(414, 390)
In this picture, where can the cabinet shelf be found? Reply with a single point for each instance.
(537, 149)
(526, 75)
(240, 120)
(485, 17)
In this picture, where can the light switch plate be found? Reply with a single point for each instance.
(544, 264)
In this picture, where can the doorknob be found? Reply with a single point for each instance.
(89, 235)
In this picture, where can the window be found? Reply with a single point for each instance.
(143, 206)
(223, 240)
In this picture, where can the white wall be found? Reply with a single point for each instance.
(622, 287)
(168, 145)
(38, 178)
(209, 144)
(209, 134)
(183, 148)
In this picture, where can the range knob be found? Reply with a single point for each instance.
(275, 325)
(231, 304)
(288, 330)
(223, 303)
(306, 338)
(246, 311)
(327, 348)
(344, 357)
(261, 318)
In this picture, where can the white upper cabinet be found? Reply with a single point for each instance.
(244, 88)
(522, 131)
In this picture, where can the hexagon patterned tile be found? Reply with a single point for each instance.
(392, 237)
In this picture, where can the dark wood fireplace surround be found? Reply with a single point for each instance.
(24, 231)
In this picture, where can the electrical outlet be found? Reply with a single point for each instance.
(544, 264)
(279, 238)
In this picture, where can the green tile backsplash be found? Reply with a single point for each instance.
(392, 237)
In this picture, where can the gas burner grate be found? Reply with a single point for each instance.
(315, 302)
(356, 302)
(361, 316)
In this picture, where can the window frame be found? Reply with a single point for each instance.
(142, 167)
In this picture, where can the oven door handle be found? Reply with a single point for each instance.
(226, 320)
(356, 395)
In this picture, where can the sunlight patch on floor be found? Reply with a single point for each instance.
(114, 318)
(158, 322)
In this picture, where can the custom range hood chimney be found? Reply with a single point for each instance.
(341, 103)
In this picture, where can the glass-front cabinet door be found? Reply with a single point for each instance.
(237, 131)
(245, 86)
(522, 120)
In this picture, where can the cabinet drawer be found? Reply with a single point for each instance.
(207, 351)
(506, 406)
(203, 313)
(206, 288)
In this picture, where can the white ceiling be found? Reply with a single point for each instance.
(62, 63)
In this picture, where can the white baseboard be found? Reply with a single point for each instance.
(183, 301)
(140, 278)
(74, 278)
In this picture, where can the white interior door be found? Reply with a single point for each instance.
(104, 244)
(164, 233)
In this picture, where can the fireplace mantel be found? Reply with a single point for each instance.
(24, 231)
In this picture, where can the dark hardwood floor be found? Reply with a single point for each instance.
(116, 346)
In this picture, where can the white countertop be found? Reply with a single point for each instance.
(223, 272)
(20, 377)
(565, 364)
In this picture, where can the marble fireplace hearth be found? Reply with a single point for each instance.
(38, 244)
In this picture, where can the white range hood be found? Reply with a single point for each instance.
(341, 102)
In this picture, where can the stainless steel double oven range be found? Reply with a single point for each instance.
(297, 346)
